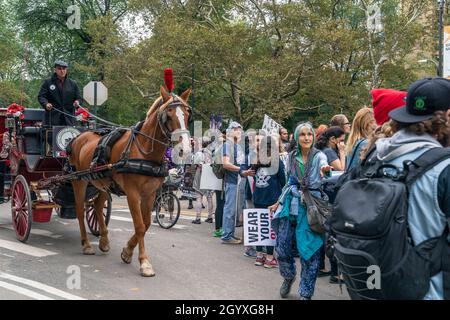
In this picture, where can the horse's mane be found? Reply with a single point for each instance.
(153, 107)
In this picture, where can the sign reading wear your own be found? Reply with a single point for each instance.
(257, 228)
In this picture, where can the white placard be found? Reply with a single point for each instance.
(208, 180)
(257, 228)
(270, 125)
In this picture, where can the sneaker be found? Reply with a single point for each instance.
(323, 273)
(231, 241)
(209, 220)
(251, 253)
(286, 287)
(259, 261)
(196, 221)
(218, 233)
(269, 264)
(334, 279)
(236, 238)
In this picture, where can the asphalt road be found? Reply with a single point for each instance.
(189, 264)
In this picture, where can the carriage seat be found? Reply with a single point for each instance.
(34, 115)
(33, 141)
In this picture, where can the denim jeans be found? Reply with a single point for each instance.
(229, 211)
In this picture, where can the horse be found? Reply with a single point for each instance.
(167, 117)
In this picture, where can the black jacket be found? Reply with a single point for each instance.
(60, 99)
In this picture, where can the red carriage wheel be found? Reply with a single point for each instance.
(21, 208)
(91, 218)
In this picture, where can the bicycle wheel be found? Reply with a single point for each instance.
(167, 210)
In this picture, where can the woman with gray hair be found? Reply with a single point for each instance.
(307, 166)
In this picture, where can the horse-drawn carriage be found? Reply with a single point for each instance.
(127, 161)
(34, 156)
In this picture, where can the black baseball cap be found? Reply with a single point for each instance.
(61, 63)
(424, 98)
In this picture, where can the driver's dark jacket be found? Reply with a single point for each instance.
(60, 99)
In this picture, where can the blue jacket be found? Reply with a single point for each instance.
(292, 207)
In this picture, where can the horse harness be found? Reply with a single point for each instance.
(125, 164)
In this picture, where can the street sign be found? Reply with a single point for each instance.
(95, 93)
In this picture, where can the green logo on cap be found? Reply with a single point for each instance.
(420, 103)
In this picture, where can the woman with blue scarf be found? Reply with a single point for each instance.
(306, 167)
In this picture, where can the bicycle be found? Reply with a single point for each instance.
(167, 204)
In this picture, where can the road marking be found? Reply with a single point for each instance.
(41, 286)
(24, 291)
(25, 249)
(182, 217)
(39, 232)
(7, 255)
(121, 219)
(180, 227)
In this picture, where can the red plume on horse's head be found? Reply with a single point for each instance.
(168, 79)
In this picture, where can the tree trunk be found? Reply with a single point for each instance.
(236, 97)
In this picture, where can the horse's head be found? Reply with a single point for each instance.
(174, 115)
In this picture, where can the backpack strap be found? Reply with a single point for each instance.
(424, 163)
(355, 149)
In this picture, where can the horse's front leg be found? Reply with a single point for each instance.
(79, 189)
(134, 201)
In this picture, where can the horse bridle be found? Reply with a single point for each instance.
(162, 119)
(162, 116)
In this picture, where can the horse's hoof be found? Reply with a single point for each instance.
(104, 246)
(88, 251)
(147, 269)
(126, 256)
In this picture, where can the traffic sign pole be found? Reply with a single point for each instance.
(95, 98)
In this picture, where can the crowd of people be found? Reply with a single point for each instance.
(308, 158)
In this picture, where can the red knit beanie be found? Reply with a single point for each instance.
(384, 101)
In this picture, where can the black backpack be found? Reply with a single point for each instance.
(369, 227)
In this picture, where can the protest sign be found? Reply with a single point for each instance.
(257, 228)
(270, 125)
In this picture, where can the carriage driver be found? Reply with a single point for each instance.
(60, 93)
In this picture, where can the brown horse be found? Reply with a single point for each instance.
(167, 116)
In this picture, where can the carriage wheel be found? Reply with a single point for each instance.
(21, 208)
(91, 217)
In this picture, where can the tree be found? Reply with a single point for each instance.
(312, 58)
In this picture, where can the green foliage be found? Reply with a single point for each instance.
(10, 93)
(293, 60)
